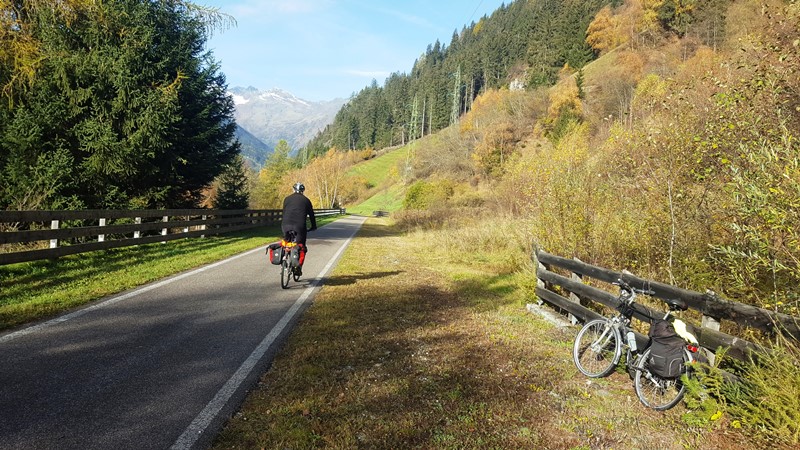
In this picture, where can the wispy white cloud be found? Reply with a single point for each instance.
(377, 74)
(408, 18)
(399, 15)
(323, 48)
(275, 9)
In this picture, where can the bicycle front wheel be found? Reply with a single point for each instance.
(597, 348)
(286, 273)
(655, 392)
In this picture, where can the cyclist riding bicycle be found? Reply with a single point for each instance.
(295, 209)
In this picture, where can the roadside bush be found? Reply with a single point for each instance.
(428, 194)
(768, 399)
(421, 219)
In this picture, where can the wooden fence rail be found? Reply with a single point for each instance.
(72, 232)
(710, 305)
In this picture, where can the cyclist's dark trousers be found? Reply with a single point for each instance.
(299, 231)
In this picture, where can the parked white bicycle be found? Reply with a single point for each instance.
(657, 368)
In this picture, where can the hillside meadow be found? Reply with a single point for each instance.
(667, 157)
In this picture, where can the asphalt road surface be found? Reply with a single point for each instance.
(159, 367)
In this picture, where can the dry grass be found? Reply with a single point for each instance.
(405, 349)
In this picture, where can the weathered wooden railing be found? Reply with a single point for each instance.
(710, 305)
(71, 232)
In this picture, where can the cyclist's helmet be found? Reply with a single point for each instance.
(298, 187)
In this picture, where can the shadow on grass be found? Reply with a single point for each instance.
(372, 229)
(487, 293)
(341, 280)
(393, 365)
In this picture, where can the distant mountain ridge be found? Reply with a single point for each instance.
(276, 114)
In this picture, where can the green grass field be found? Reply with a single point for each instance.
(381, 173)
(409, 347)
(377, 170)
(389, 199)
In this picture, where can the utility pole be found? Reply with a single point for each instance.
(456, 97)
(422, 130)
(412, 132)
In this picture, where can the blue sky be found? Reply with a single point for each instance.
(326, 49)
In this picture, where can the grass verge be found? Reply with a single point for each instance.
(389, 199)
(407, 348)
(378, 169)
(40, 289)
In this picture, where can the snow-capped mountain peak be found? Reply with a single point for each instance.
(276, 114)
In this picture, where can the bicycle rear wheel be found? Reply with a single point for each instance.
(597, 348)
(655, 392)
(286, 273)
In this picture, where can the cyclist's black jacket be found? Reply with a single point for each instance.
(295, 209)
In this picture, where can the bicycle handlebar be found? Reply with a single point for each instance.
(623, 285)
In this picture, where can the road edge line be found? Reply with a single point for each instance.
(119, 298)
(192, 434)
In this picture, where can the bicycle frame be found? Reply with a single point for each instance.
(599, 346)
(619, 325)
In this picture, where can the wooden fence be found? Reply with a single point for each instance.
(71, 232)
(712, 308)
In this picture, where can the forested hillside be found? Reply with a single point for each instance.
(110, 105)
(528, 41)
(672, 153)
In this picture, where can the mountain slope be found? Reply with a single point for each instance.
(253, 150)
(276, 114)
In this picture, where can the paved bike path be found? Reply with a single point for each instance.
(161, 366)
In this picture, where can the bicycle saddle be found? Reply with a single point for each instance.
(676, 304)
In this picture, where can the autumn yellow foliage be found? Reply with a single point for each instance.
(605, 32)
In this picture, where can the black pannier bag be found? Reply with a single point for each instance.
(666, 350)
(275, 252)
(294, 256)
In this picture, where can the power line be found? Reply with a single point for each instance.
(473, 12)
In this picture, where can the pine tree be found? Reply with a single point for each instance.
(232, 192)
(125, 95)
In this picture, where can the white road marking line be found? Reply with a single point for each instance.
(192, 433)
(120, 298)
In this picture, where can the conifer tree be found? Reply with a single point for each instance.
(125, 105)
(270, 188)
(232, 192)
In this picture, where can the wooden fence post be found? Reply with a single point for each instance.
(574, 298)
(712, 324)
(102, 237)
(164, 230)
(53, 226)
(539, 267)
(203, 226)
